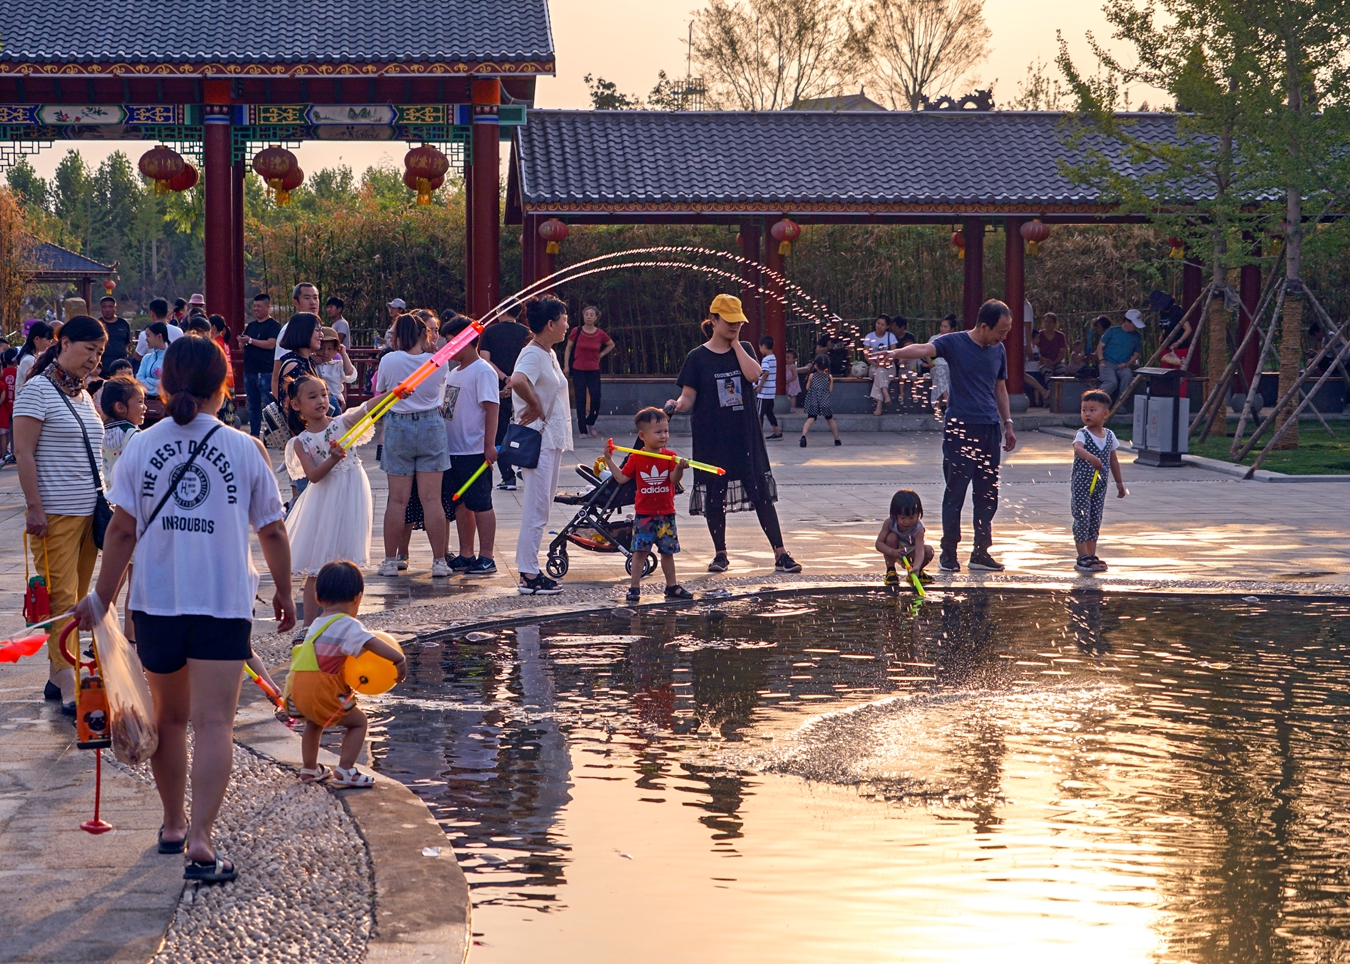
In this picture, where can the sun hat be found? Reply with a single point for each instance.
(1135, 318)
(728, 308)
(398, 303)
(196, 300)
(328, 334)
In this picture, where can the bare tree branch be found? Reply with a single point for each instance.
(922, 48)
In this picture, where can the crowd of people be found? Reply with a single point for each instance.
(171, 504)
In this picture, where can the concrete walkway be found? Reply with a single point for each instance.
(72, 897)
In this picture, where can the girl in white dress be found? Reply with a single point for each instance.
(330, 521)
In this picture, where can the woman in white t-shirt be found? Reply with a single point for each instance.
(539, 397)
(54, 416)
(39, 340)
(880, 339)
(414, 444)
(187, 491)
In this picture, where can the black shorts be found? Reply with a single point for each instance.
(166, 643)
(477, 497)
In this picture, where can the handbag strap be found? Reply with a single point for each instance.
(173, 482)
(96, 475)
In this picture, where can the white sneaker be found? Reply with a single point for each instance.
(439, 568)
(402, 562)
(389, 567)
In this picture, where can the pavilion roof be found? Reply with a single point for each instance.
(53, 262)
(831, 164)
(263, 37)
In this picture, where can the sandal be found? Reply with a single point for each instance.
(352, 778)
(317, 775)
(212, 872)
(170, 846)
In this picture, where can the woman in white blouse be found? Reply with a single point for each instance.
(539, 397)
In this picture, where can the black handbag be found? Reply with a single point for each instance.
(520, 447)
(103, 512)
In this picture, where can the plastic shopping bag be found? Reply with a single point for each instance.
(131, 715)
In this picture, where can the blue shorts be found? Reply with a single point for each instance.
(414, 442)
(655, 530)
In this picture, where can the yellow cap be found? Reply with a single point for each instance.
(728, 308)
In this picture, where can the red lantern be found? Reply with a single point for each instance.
(1178, 248)
(959, 243)
(288, 184)
(109, 285)
(785, 232)
(187, 178)
(422, 186)
(426, 162)
(1034, 232)
(161, 165)
(273, 165)
(554, 232)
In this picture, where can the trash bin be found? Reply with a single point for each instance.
(1162, 417)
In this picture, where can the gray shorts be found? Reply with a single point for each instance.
(414, 442)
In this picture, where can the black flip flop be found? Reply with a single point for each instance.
(170, 846)
(214, 872)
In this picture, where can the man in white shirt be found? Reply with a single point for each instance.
(767, 386)
(159, 311)
(304, 297)
(472, 405)
(333, 308)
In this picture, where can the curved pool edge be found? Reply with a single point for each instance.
(422, 907)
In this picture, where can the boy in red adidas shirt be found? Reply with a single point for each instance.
(654, 504)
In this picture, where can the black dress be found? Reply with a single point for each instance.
(726, 431)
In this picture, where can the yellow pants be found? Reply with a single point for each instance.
(70, 555)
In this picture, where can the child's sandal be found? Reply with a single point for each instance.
(316, 775)
(352, 778)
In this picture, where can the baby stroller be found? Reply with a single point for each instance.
(593, 528)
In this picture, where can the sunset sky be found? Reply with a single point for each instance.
(628, 43)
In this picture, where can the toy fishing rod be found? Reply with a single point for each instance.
(272, 695)
(913, 578)
(472, 479)
(701, 466)
(406, 387)
(26, 642)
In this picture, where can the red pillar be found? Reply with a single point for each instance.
(1192, 281)
(1014, 293)
(752, 237)
(775, 315)
(973, 230)
(218, 174)
(235, 316)
(483, 289)
(1249, 287)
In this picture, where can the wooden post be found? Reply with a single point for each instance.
(973, 230)
(752, 236)
(775, 321)
(218, 174)
(483, 221)
(1014, 293)
(1249, 288)
(234, 317)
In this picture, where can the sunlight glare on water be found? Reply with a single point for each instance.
(845, 778)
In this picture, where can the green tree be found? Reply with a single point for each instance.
(605, 95)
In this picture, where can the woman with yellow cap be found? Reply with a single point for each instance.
(717, 384)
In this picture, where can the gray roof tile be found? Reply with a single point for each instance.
(937, 159)
(290, 31)
(54, 259)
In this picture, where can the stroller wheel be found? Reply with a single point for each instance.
(556, 566)
(648, 567)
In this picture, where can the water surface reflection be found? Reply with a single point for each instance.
(848, 778)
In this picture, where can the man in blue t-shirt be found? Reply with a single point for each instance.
(1117, 352)
(978, 418)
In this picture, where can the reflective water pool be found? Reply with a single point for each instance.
(844, 778)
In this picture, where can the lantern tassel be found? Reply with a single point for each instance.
(1033, 248)
(784, 247)
(161, 187)
(423, 191)
(552, 247)
(960, 253)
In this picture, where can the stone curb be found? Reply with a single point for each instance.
(422, 906)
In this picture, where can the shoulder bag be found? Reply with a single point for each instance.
(520, 446)
(102, 510)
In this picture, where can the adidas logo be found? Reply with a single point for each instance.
(654, 476)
